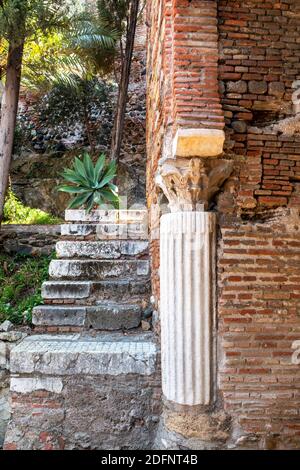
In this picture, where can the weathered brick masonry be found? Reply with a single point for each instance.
(258, 311)
(258, 248)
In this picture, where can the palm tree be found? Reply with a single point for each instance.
(19, 20)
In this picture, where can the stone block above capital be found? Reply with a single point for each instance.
(198, 143)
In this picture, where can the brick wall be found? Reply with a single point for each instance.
(158, 110)
(194, 71)
(259, 241)
(259, 57)
(258, 311)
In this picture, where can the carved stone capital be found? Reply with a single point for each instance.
(187, 188)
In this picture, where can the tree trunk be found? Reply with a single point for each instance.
(9, 108)
(118, 128)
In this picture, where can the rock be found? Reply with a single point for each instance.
(239, 126)
(146, 326)
(239, 86)
(258, 87)
(6, 326)
(11, 336)
(60, 147)
(148, 312)
(276, 89)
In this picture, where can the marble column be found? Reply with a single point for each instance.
(187, 280)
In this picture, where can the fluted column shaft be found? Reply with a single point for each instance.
(187, 277)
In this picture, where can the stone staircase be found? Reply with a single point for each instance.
(91, 380)
(100, 279)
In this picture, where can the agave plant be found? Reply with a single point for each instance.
(91, 184)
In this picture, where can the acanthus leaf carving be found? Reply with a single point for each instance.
(193, 187)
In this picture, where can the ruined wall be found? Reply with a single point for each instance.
(158, 108)
(258, 244)
(32, 240)
(87, 393)
(259, 67)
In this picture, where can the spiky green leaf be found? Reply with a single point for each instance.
(79, 201)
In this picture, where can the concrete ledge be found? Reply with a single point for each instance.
(64, 358)
(198, 143)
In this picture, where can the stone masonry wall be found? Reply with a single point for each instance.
(83, 393)
(259, 56)
(86, 413)
(29, 239)
(258, 242)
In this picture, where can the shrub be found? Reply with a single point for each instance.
(21, 278)
(16, 213)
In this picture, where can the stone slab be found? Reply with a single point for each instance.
(83, 357)
(26, 385)
(66, 290)
(109, 231)
(97, 291)
(123, 290)
(97, 270)
(108, 316)
(106, 216)
(113, 249)
(57, 315)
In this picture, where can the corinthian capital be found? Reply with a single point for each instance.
(191, 187)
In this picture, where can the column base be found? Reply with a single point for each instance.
(193, 428)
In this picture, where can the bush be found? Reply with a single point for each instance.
(16, 213)
(21, 278)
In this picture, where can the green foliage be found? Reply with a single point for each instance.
(91, 184)
(38, 24)
(16, 213)
(22, 18)
(114, 12)
(69, 55)
(40, 61)
(21, 278)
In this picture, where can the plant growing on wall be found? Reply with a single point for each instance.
(90, 184)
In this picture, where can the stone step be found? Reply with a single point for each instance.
(124, 231)
(107, 216)
(104, 316)
(98, 270)
(113, 249)
(122, 291)
(65, 355)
